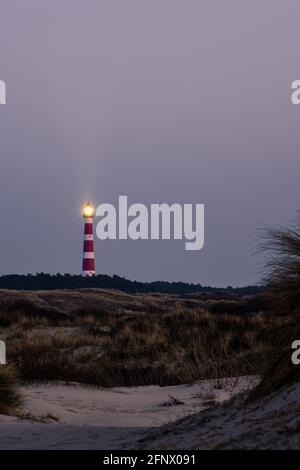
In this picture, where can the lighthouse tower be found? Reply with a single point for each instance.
(88, 261)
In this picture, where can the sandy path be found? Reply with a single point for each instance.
(35, 436)
(79, 417)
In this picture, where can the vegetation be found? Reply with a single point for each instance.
(111, 338)
(10, 398)
(282, 275)
(282, 294)
(42, 281)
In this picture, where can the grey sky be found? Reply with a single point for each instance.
(161, 100)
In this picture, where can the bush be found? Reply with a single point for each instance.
(10, 398)
(282, 276)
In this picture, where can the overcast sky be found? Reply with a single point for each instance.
(161, 100)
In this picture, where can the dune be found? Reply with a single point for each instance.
(60, 416)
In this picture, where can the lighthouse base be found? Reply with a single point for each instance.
(88, 273)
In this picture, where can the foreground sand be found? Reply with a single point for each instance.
(270, 423)
(59, 416)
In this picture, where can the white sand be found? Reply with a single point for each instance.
(78, 417)
(271, 423)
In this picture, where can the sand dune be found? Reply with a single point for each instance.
(58, 416)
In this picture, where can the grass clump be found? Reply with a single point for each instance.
(282, 270)
(10, 398)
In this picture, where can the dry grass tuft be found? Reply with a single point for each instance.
(111, 339)
(10, 398)
(282, 276)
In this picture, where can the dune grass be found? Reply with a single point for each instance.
(282, 267)
(176, 346)
(10, 398)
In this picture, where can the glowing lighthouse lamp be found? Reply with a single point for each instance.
(88, 261)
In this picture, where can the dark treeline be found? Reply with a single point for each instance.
(42, 281)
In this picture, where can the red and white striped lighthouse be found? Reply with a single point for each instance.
(88, 261)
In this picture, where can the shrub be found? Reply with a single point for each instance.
(10, 398)
(282, 276)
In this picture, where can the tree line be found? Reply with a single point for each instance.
(44, 281)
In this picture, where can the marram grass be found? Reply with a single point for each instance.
(10, 398)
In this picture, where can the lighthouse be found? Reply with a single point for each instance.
(88, 261)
